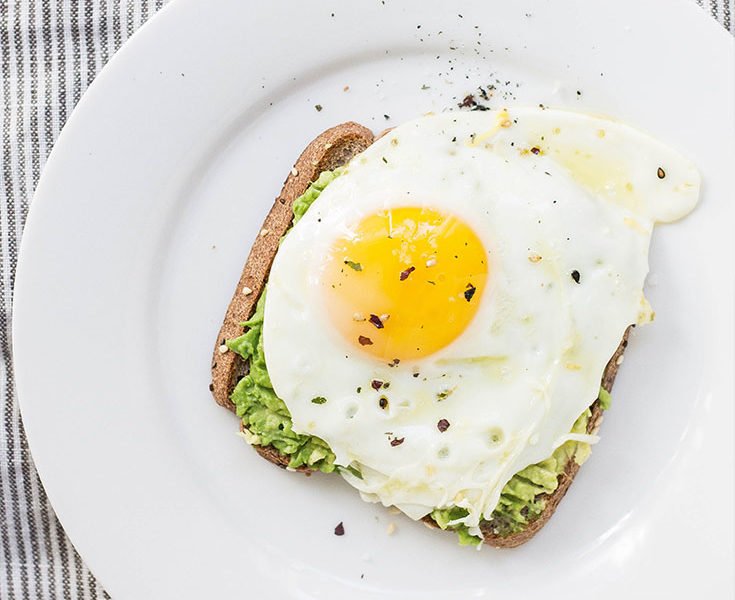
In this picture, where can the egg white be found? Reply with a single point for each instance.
(531, 182)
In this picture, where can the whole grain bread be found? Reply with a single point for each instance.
(334, 148)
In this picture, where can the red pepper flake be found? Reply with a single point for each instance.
(383, 402)
(469, 100)
(340, 529)
(661, 173)
(396, 441)
(375, 320)
(469, 292)
(375, 384)
(406, 273)
(442, 425)
(364, 341)
(535, 150)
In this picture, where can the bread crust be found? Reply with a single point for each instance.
(565, 478)
(332, 149)
(570, 470)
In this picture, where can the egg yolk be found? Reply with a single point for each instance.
(405, 282)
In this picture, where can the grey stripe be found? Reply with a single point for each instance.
(76, 61)
(30, 116)
(5, 530)
(129, 8)
(8, 554)
(89, 41)
(29, 474)
(65, 576)
(45, 107)
(61, 67)
(30, 477)
(117, 30)
(21, 518)
(726, 16)
(50, 579)
(104, 55)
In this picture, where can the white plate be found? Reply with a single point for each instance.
(144, 216)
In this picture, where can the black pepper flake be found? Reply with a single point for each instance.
(383, 402)
(396, 441)
(385, 160)
(396, 361)
(340, 529)
(661, 173)
(386, 117)
(375, 384)
(375, 320)
(442, 425)
(575, 276)
(535, 150)
(415, 374)
(469, 292)
(404, 274)
(364, 341)
(318, 107)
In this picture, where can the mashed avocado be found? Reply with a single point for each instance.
(265, 416)
(268, 422)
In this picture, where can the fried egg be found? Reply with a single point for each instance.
(451, 300)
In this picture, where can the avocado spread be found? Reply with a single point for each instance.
(264, 415)
(266, 421)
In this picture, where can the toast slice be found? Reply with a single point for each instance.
(332, 149)
(565, 479)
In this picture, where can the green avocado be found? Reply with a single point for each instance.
(267, 422)
(265, 416)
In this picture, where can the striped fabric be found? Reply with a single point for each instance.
(720, 10)
(51, 51)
